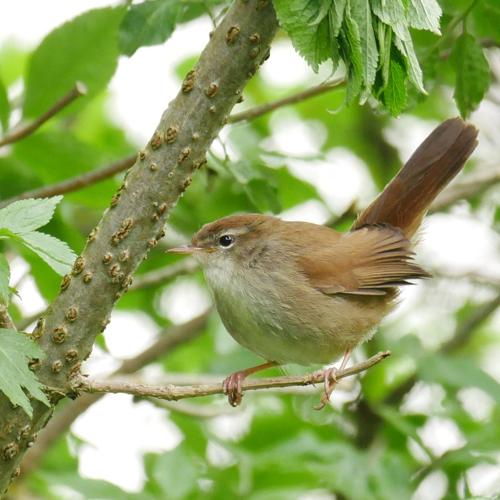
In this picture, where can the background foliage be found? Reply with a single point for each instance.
(421, 58)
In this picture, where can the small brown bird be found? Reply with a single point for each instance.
(295, 292)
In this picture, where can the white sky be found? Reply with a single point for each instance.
(452, 242)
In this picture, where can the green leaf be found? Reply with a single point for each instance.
(425, 15)
(336, 16)
(54, 252)
(324, 9)
(350, 46)
(412, 64)
(392, 12)
(395, 93)
(4, 280)
(176, 473)
(4, 107)
(312, 41)
(27, 215)
(83, 49)
(362, 16)
(472, 73)
(15, 351)
(458, 373)
(147, 23)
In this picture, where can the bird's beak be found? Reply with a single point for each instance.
(185, 249)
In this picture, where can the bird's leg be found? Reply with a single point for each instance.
(331, 380)
(232, 384)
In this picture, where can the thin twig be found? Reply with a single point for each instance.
(16, 135)
(168, 340)
(174, 393)
(168, 273)
(471, 185)
(467, 327)
(75, 183)
(251, 114)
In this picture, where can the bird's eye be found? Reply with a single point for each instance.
(226, 240)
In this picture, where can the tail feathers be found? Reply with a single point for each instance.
(405, 200)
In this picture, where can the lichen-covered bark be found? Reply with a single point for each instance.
(134, 222)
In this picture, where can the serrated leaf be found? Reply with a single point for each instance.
(147, 23)
(395, 92)
(15, 351)
(54, 252)
(412, 64)
(336, 17)
(4, 107)
(324, 8)
(4, 280)
(350, 45)
(83, 49)
(425, 15)
(392, 12)
(361, 14)
(472, 70)
(311, 42)
(27, 215)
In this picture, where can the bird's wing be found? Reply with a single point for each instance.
(368, 261)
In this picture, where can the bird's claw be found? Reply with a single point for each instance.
(330, 382)
(231, 386)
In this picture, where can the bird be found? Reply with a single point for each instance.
(303, 293)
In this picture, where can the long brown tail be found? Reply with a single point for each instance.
(433, 165)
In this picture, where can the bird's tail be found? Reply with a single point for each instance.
(405, 200)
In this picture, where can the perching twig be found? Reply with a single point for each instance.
(75, 183)
(253, 113)
(174, 393)
(167, 341)
(16, 135)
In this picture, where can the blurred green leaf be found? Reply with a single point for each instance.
(457, 373)
(395, 94)
(176, 473)
(472, 73)
(15, 351)
(26, 215)
(147, 23)
(4, 107)
(4, 280)
(83, 49)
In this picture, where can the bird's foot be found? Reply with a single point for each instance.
(231, 386)
(330, 382)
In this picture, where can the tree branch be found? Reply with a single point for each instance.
(16, 135)
(75, 183)
(168, 340)
(174, 393)
(134, 223)
(251, 114)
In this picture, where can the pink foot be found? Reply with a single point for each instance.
(330, 381)
(232, 387)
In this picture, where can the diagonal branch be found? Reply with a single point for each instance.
(24, 131)
(174, 393)
(134, 223)
(75, 183)
(251, 114)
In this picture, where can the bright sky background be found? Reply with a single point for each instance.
(455, 242)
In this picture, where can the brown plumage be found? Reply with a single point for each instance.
(295, 292)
